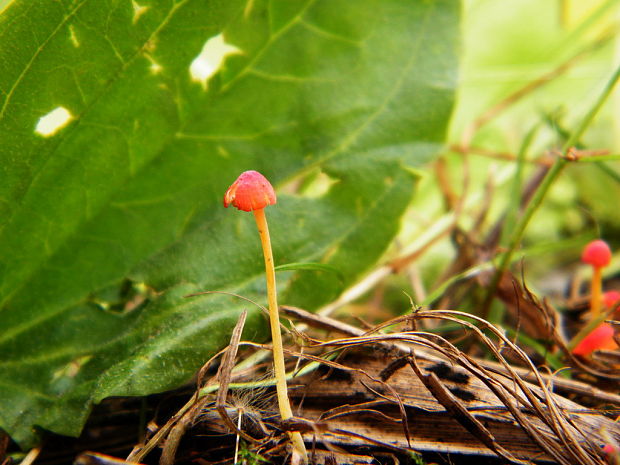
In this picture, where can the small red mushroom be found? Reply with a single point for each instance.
(597, 254)
(611, 300)
(612, 453)
(612, 450)
(253, 192)
(602, 338)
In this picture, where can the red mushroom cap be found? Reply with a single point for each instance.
(597, 253)
(251, 191)
(611, 299)
(602, 337)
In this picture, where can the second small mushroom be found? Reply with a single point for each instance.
(598, 254)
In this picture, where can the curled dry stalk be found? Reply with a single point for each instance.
(554, 431)
(564, 385)
(551, 422)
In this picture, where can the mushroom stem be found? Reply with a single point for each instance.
(274, 321)
(596, 295)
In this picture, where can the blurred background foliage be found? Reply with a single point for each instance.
(542, 65)
(507, 46)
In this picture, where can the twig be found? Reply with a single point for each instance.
(561, 384)
(473, 150)
(31, 456)
(460, 413)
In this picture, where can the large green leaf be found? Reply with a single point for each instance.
(109, 221)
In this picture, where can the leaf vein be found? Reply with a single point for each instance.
(327, 34)
(287, 77)
(272, 39)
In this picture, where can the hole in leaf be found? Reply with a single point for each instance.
(71, 369)
(315, 185)
(123, 297)
(155, 67)
(210, 59)
(138, 10)
(73, 37)
(54, 121)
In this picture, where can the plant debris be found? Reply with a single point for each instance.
(401, 392)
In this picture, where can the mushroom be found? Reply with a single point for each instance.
(610, 449)
(253, 192)
(597, 254)
(602, 338)
(611, 300)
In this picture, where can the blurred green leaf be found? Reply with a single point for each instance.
(107, 221)
(311, 266)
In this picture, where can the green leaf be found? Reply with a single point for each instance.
(311, 266)
(109, 220)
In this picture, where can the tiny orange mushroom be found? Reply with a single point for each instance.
(611, 300)
(597, 254)
(610, 449)
(253, 192)
(602, 338)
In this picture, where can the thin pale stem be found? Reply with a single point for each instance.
(274, 319)
(595, 297)
(276, 337)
